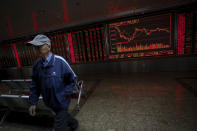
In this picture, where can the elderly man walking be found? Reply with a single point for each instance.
(53, 78)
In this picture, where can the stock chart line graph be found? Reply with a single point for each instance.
(146, 33)
(143, 30)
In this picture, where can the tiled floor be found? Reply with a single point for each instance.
(135, 102)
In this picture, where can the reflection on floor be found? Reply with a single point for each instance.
(135, 102)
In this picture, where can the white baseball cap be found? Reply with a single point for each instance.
(39, 40)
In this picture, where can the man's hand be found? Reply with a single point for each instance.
(32, 110)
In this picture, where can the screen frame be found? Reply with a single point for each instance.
(172, 27)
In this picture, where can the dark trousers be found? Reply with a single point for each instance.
(63, 120)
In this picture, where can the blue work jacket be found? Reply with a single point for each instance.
(54, 81)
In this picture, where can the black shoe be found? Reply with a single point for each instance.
(73, 129)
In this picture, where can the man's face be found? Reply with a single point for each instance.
(43, 49)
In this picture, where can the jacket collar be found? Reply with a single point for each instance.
(51, 62)
(47, 59)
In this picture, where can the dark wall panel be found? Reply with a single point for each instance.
(178, 64)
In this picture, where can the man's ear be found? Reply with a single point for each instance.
(49, 46)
